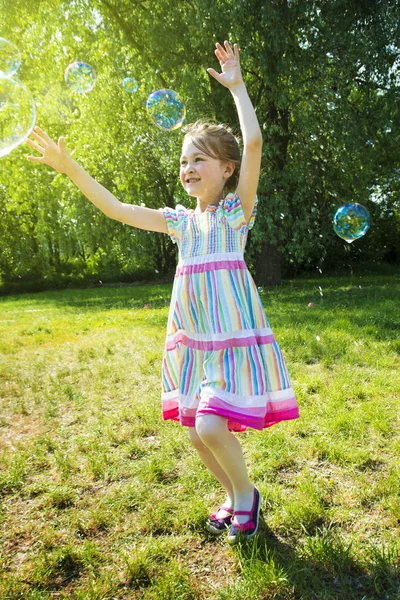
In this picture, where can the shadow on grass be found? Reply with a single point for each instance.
(321, 566)
(329, 292)
(97, 299)
(364, 306)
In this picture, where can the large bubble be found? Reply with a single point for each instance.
(167, 109)
(10, 58)
(80, 77)
(130, 85)
(351, 222)
(17, 114)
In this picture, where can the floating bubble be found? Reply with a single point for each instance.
(17, 114)
(10, 58)
(130, 85)
(167, 109)
(80, 77)
(351, 222)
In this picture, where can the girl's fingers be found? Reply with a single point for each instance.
(219, 56)
(228, 48)
(213, 73)
(224, 54)
(43, 134)
(35, 158)
(229, 52)
(34, 145)
(220, 51)
(38, 138)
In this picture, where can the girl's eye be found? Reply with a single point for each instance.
(184, 162)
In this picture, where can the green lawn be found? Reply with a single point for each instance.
(101, 499)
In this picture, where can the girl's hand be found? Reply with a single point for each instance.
(231, 75)
(54, 155)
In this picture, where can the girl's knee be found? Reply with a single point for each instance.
(194, 438)
(209, 428)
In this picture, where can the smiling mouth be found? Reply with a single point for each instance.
(192, 180)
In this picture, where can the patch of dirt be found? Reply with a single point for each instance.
(18, 428)
(212, 564)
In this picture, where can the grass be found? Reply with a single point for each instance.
(101, 499)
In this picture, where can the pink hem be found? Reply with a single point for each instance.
(211, 266)
(235, 422)
(252, 340)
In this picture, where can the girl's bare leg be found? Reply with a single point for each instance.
(214, 467)
(227, 452)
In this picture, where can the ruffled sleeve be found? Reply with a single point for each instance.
(175, 218)
(233, 211)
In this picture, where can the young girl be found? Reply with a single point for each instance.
(222, 369)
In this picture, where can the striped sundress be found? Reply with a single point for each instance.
(220, 354)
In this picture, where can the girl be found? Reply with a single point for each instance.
(222, 369)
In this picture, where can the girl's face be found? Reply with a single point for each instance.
(201, 175)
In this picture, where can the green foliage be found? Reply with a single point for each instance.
(322, 74)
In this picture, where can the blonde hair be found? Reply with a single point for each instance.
(219, 142)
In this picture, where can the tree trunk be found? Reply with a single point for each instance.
(268, 266)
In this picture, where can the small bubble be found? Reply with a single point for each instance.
(10, 58)
(17, 114)
(351, 221)
(80, 77)
(130, 85)
(167, 109)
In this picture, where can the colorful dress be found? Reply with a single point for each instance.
(220, 354)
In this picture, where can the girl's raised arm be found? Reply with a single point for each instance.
(231, 78)
(57, 157)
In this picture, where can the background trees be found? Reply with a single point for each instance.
(324, 76)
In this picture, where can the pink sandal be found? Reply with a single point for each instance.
(248, 529)
(218, 526)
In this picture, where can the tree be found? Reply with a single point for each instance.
(322, 74)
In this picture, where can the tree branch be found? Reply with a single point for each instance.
(134, 41)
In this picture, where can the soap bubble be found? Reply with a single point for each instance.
(80, 77)
(17, 114)
(351, 222)
(10, 58)
(167, 109)
(130, 85)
